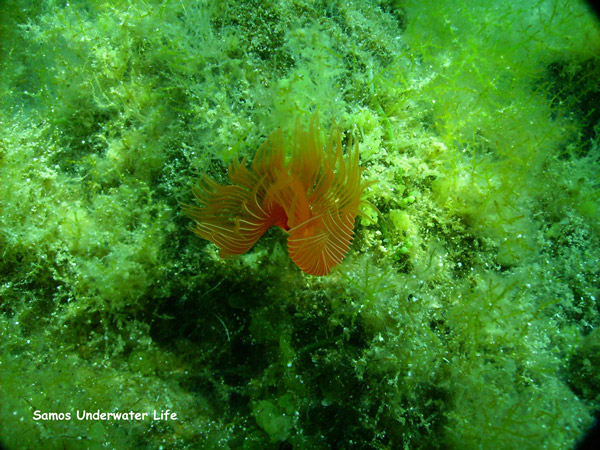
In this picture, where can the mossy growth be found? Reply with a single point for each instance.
(466, 313)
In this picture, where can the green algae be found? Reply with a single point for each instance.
(466, 314)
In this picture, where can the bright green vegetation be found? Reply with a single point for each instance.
(466, 316)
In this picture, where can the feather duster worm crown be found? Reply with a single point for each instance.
(314, 195)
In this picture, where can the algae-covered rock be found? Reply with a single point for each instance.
(465, 314)
(274, 420)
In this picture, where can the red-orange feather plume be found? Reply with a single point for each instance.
(314, 195)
